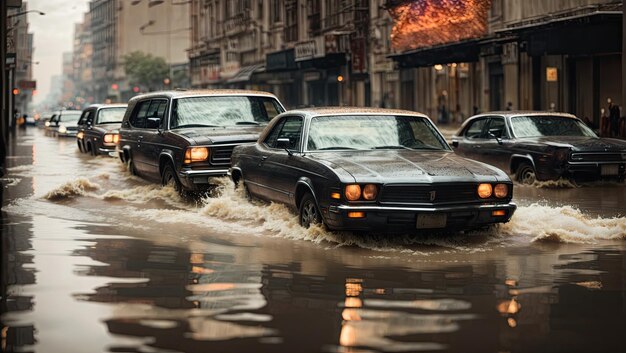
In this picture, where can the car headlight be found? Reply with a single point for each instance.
(80, 135)
(353, 192)
(485, 191)
(47, 123)
(370, 191)
(111, 137)
(196, 154)
(501, 191)
(62, 129)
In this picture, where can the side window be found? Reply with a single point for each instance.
(292, 129)
(89, 118)
(138, 119)
(83, 118)
(271, 138)
(475, 130)
(497, 128)
(271, 108)
(157, 109)
(54, 118)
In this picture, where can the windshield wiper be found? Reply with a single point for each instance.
(194, 125)
(395, 147)
(336, 148)
(247, 123)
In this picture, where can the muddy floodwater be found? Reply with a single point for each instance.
(96, 260)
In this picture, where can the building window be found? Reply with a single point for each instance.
(332, 14)
(275, 11)
(291, 21)
(314, 17)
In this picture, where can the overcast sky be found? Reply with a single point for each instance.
(53, 35)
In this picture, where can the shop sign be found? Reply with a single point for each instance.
(552, 74)
(230, 69)
(310, 49)
(312, 76)
(210, 73)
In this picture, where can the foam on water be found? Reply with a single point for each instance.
(563, 224)
(71, 189)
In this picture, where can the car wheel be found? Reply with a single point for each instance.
(130, 166)
(94, 150)
(80, 146)
(526, 174)
(309, 213)
(168, 177)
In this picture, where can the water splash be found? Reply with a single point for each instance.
(563, 225)
(71, 189)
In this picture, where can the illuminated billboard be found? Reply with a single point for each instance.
(425, 23)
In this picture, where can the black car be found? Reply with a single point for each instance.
(370, 169)
(63, 123)
(98, 128)
(184, 138)
(541, 146)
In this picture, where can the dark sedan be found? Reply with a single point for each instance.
(541, 146)
(98, 128)
(370, 169)
(63, 123)
(184, 138)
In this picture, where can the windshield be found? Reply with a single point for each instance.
(223, 111)
(111, 115)
(536, 126)
(373, 132)
(70, 117)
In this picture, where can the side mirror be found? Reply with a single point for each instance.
(498, 139)
(455, 143)
(284, 143)
(153, 123)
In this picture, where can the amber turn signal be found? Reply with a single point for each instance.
(196, 154)
(501, 191)
(353, 192)
(335, 195)
(485, 191)
(356, 214)
(370, 191)
(498, 213)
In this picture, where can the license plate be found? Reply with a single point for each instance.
(430, 221)
(609, 169)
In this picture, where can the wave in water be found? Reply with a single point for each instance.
(71, 189)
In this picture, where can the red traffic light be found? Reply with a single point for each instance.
(16, 91)
(136, 89)
(115, 86)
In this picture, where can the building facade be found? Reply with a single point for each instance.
(20, 47)
(502, 54)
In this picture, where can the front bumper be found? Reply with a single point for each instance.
(404, 219)
(67, 134)
(592, 171)
(200, 179)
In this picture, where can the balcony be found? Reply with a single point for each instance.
(236, 24)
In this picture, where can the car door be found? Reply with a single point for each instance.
(281, 167)
(152, 138)
(88, 127)
(252, 164)
(496, 149)
(134, 134)
(474, 136)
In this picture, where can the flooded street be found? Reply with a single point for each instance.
(96, 260)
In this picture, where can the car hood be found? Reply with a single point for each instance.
(581, 143)
(386, 166)
(213, 135)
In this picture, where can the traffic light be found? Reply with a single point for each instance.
(16, 91)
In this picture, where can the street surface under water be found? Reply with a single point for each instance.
(96, 260)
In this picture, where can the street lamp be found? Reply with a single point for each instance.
(25, 12)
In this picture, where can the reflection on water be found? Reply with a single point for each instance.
(130, 267)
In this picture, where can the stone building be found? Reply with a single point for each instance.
(119, 27)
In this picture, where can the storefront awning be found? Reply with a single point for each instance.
(459, 52)
(587, 30)
(245, 73)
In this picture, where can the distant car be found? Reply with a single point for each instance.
(183, 138)
(541, 146)
(30, 121)
(63, 123)
(98, 128)
(370, 169)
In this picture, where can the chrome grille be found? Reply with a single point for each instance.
(596, 157)
(221, 155)
(423, 193)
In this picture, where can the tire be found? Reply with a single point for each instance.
(169, 177)
(526, 174)
(130, 166)
(94, 150)
(80, 146)
(309, 213)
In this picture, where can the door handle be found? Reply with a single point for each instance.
(263, 158)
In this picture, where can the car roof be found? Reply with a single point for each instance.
(110, 105)
(513, 113)
(352, 111)
(203, 92)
